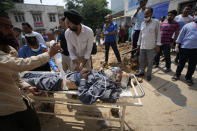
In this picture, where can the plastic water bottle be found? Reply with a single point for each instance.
(58, 60)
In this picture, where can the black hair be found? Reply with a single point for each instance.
(62, 18)
(32, 41)
(27, 24)
(174, 12)
(4, 14)
(149, 8)
(17, 29)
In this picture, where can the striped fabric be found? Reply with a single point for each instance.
(167, 31)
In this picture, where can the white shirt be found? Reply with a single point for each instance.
(149, 35)
(183, 20)
(38, 37)
(80, 45)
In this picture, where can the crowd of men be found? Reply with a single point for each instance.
(151, 39)
(156, 38)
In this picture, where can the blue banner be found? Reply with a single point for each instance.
(160, 10)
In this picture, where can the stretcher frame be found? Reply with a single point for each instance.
(121, 105)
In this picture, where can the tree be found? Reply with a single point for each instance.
(73, 4)
(93, 11)
(6, 4)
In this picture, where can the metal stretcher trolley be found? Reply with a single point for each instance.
(131, 96)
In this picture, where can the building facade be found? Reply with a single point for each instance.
(118, 7)
(42, 18)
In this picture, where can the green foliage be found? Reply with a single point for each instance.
(93, 11)
(6, 5)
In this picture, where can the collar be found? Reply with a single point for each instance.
(149, 22)
(82, 28)
(195, 24)
(166, 21)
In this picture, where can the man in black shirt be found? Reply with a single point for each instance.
(63, 43)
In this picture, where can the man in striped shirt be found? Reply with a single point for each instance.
(168, 28)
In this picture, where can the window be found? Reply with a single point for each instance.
(37, 20)
(52, 18)
(37, 17)
(19, 17)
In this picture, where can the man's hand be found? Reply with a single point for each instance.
(172, 45)
(76, 68)
(138, 9)
(84, 73)
(76, 65)
(138, 48)
(34, 90)
(83, 64)
(177, 48)
(55, 48)
(157, 49)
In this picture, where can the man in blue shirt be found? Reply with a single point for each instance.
(33, 48)
(139, 18)
(110, 31)
(188, 51)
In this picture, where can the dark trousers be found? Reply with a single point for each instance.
(166, 51)
(185, 55)
(135, 40)
(21, 121)
(115, 49)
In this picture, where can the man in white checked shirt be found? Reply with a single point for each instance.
(148, 42)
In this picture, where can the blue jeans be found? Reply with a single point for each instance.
(166, 51)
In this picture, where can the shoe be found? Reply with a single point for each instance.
(167, 70)
(155, 66)
(175, 78)
(148, 78)
(189, 82)
(139, 74)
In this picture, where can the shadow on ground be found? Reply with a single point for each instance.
(169, 89)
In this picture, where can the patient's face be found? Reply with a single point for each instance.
(121, 78)
(115, 77)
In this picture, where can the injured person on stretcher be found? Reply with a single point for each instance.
(105, 85)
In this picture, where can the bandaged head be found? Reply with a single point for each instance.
(118, 76)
